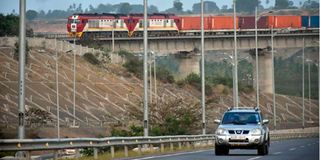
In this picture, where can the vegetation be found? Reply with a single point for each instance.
(133, 64)
(16, 52)
(9, 26)
(288, 77)
(89, 57)
(37, 117)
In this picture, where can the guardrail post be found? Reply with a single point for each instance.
(126, 151)
(171, 146)
(95, 153)
(112, 151)
(161, 147)
(151, 148)
(55, 154)
(77, 153)
(188, 145)
(28, 155)
(179, 144)
(139, 149)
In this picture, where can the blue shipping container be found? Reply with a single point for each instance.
(314, 21)
(305, 21)
(310, 21)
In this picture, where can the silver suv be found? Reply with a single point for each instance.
(242, 128)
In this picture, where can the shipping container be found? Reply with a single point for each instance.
(194, 23)
(284, 21)
(248, 22)
(223, 22)
(314, 21)
(310, 21)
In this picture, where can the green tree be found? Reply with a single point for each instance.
(282, 4)
(31, 14)
(312, 4)
(178, 5)
(125, 8)
(246, 5)
(209, 7)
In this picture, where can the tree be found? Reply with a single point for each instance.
(282, 4)
(209, 7)
(247, 5)
(178, 5)
(125, 8)
(153, 9)
(31, 14)
(312, 4)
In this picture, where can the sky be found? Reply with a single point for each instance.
(6, 6)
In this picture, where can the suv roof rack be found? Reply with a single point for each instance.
(243, 108)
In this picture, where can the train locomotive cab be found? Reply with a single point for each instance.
(75, 26)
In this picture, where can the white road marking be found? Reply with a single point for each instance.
(301, 146)
(170, 155)
(277, 153)
(309, 144)
(253, 158)
(292, 149)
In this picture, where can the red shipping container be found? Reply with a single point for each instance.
(194, 23)
(284, 21)
(223, 22)
(248, 22)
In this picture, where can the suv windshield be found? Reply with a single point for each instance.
(241, 118)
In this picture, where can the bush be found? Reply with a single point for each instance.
(16, 51)
(164, 75)
(87, 152)
(134, 65)
(194, 80)
(89, 57)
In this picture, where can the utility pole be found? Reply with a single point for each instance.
(303, 107)
(235, 53)
(155, 77)
(57, 88)
(273, 82)
(203, 96)
(22, 63)
(74, 82)
(145, 69)
(257, 58)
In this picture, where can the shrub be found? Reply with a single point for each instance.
(135, 66)
(164, 75)
(16, 51)
(89, 57)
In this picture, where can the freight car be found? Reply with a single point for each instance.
(104, 25)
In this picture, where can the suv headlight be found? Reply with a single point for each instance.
(256, 131)
(221, 131)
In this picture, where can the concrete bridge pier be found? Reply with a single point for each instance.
(187, 66)
(265, 71)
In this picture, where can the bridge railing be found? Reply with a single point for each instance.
(112, 142)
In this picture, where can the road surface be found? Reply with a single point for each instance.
(294, 149)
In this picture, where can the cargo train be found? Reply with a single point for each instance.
(118, 25)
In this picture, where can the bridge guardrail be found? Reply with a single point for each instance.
(96, 143)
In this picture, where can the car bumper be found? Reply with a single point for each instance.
(239, 141)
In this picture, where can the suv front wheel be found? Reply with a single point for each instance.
(219, 150)
(263, 149)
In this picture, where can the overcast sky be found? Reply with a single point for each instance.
(6, 6)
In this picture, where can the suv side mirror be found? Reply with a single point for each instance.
(217, 121)
(265, 121)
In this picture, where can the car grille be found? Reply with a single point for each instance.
(238, 131)
(239, 140)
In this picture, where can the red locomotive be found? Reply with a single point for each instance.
(104, 25)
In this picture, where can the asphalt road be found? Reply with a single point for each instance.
(295, 149)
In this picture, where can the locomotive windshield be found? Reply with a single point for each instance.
(74, 21)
